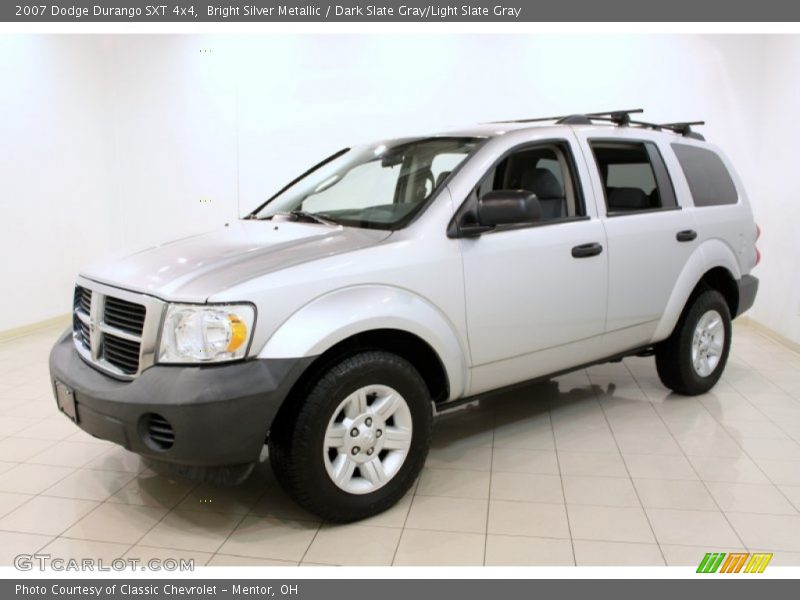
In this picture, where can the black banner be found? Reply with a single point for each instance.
(264, 11)
(732, 588)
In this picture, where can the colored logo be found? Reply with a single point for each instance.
(735, 562)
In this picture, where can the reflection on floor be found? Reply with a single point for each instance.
(602, 466)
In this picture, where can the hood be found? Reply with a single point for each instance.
(194, 268)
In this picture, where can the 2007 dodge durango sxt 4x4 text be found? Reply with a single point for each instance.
(402, 278)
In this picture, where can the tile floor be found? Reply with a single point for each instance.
(600, 467)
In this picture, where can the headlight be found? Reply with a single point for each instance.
(205, 333)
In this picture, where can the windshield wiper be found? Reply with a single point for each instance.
(301, 214)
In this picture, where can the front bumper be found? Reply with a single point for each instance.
(220, 414)
(748, 286)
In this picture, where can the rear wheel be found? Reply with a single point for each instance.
(692, 359)
(357, 442)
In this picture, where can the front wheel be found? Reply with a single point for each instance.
(354, 446)
(692, 359)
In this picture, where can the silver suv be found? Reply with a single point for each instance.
(396, 280)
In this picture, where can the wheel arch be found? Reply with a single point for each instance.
(712, 265)
(375, 317)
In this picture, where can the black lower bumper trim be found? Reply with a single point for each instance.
(220, 414)
(748, 286)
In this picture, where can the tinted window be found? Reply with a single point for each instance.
(544, 170)
(634, 176)
(708, 179)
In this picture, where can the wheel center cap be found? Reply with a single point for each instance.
(365, 437)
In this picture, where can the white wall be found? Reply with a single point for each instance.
(195, 130)
(776, 189)
(54, 172)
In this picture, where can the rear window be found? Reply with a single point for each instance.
(709, 180)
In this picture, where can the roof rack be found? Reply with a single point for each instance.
(621, 118)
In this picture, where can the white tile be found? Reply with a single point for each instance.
(353, 545)
(460, 456)
(733, 470)
(89, 485)
(651, 466)
(751, 498)
(448, 514)
(592, 464)
(775, 532)
(456, 483)
(508, 550)
(189, 529)
(606, 523)
(600, 491)
(152, 490)
(691, 556)
(781, 472)
(666, 493)
(439, 548)
(32, 479)
(593, 554)
(19, 449)
(9, 502)
(528, 519)
(46, 516)
(520, 460)
(117, 459)
(527, 488)
(792, 492)
(116, 523)
(75, 549)
(14, 543)
(49, 429)
(229, 560)
(144, 554)
(270, 538)
(692, 528)
(67, 454)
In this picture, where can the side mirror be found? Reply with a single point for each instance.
(508, 207)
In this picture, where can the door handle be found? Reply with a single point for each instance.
(686, 236)
(587, 250)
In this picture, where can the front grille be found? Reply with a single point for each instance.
(122, 353)
(124, 315)
(112, 330)
(83, 299)
(158, 431)
(81, 306)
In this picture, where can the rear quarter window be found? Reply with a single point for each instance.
(709, 180)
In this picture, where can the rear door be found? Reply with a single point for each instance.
(650, 236)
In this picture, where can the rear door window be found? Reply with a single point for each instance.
(634, 176)
(709, 180)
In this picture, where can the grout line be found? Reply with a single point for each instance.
(489, 495)
(561, 479)
(630, 477)
(688, 460)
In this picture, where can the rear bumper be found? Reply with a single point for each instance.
(220, 415)
(748, 286)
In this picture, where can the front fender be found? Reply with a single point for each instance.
(708, 255)
(334, 317)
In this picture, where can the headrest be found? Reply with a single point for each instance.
(542, 183)
(627, 198)
(442, 176)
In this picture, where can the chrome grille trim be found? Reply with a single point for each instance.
(121, 341)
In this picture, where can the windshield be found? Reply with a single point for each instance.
(380, 186)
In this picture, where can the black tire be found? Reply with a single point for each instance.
(297, 437)
(674, 355)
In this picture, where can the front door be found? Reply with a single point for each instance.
(535, 294)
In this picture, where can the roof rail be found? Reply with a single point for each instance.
(621, 118)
